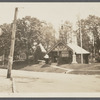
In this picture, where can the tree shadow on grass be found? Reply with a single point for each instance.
(45, 65)
(21, 64)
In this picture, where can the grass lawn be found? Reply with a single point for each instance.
(22, 65)
(94, 66)
(40, 68)
(84, 69)
(85, 72)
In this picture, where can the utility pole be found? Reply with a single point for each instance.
(81, 41)
(93, 54)
(10, 59)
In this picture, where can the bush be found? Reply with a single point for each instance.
(97, 58)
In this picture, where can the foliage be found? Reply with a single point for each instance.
(85, 37)
(28, 31)
(48, 36)
(98, 58)
(90, 29)
(5, 39)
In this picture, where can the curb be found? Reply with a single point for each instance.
(13, 85)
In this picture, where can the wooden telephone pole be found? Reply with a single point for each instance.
(81, 42)
(79, 19)
(10, 59)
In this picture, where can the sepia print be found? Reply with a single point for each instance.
(50, 49)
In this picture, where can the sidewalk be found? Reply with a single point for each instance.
(5, 84)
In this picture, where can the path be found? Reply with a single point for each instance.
(66, 70)
(70, 70)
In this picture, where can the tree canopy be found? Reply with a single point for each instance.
(30, 30)
(90, 29)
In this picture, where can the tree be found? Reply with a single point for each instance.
(48, 37)
(27, 30)
(93, 25)
(90, 28)
(5, 40)
(85, 36)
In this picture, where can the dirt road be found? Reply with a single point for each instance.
(32, 82)
(41, 82)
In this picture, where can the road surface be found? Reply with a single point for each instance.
(42, 82)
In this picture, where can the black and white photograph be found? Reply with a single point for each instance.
(49, 49)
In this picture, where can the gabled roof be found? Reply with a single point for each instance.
(57, 45)
(42, 48)
(77, 49)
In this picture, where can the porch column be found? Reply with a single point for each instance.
(74, 58)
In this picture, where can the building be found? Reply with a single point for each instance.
(62, 53)
(67, 50)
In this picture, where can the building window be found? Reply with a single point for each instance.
(65, 54)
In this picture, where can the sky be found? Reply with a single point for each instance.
(54, 13)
